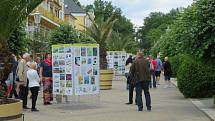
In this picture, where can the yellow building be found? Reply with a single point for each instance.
(52, 15)
(82, 17)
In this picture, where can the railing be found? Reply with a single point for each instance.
(48, 14)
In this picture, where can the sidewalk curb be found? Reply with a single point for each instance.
(210, 113)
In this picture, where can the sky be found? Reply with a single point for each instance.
(137, 10)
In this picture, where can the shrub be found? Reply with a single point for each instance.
(196, 79)
(176, 61)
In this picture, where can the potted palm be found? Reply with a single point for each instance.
(101, 31)
(12, 12)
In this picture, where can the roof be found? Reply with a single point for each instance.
(71, 7)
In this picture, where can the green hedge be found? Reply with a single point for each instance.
(196, 79)
(176, 61)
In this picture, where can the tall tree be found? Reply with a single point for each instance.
(12, 12)
(101, 32)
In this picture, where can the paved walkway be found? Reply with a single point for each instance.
(167, 105)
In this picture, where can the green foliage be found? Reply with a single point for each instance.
(192, 33)
(122, 29)
(154, 27)
(13, 12)
(86, 39)
(196, 79)
(64, 34)
(176, 62)
(18, 42)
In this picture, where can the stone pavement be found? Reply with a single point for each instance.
(167, 105)
(206, 105)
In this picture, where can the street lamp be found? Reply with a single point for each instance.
(37, 19)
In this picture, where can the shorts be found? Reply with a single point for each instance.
(167, 78)
(157, 73)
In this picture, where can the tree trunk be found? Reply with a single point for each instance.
(103, 59)
(6, 65)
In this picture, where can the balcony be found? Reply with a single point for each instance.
(48, 14)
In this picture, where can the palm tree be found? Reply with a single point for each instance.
(101, 31)
(12, 13)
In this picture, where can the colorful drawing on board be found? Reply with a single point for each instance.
(77, 51)
(69, 83)
(62, 76)
(68, 49)
(89, 51)
(77, 61)
(55, 50)
(83, 51)
(86, 79)
(89, 61)
(61, 50)
(68, 76)
(95, 71)
(83, 61)
(95, 51)
(93, 80)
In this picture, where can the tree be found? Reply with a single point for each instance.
(123, 26)
(101, 31)
(155, 26)
(64, 34)
(12, 12)
(18, 41)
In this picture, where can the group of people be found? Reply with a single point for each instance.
(139, 71)
(29, 75)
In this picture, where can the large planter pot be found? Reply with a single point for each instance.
(106, 77)
(11, 111)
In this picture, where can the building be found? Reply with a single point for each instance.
(52, 15)
(82, 17)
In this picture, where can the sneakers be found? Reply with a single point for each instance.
(34, 110)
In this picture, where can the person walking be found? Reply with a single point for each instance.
(158, 69)
(46, 77)
(127, 69)
(34, 85)
(167, 72)
(23, 81)
(153, 64)
(141, 77)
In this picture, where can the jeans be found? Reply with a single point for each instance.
(131, 90)
(145, 87)
(153, 80)
(13, 91)
(34, 92)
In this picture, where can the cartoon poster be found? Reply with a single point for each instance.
(75, 69)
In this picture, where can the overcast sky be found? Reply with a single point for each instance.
(137, 10)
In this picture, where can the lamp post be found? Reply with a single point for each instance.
(37, 19)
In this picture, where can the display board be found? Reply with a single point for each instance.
(75, 69)
(116, 60)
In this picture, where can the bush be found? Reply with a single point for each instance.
(196, 79)
(176, 61)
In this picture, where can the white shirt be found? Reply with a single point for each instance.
(33, 78)
(127, 68)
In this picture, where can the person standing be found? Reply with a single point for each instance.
(130, 86)
(167, 72)
(34, 85)
(46, 77)
(158, 69)
(23, 81)
(13, 91)
(141, 77)
(153, 64)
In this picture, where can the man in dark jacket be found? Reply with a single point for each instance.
(141, 77)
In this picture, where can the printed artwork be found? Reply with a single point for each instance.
(116, 60)
(75, 69)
